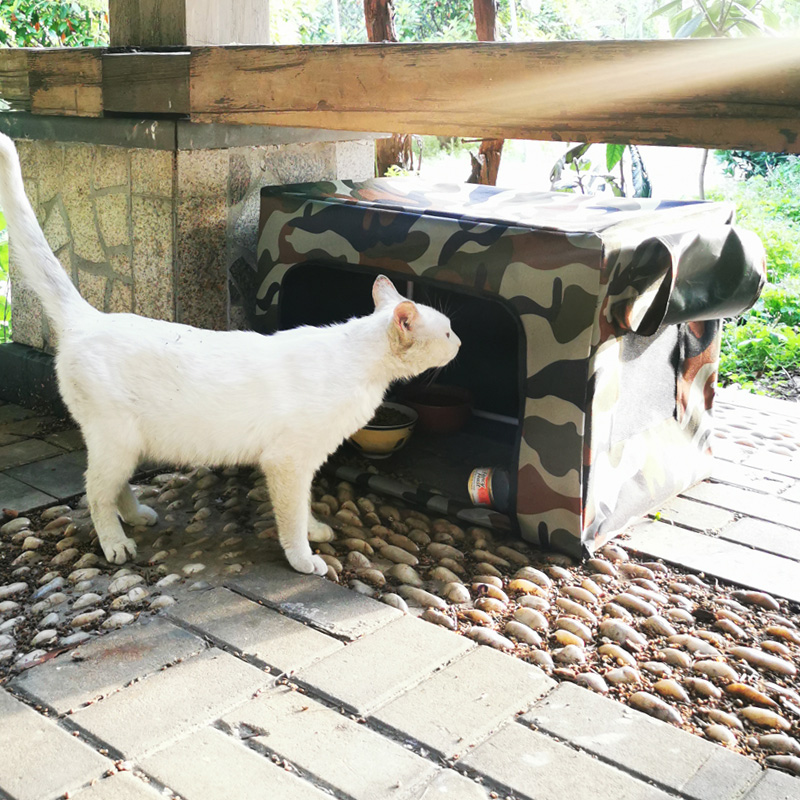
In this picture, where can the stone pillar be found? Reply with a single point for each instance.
(160, 217)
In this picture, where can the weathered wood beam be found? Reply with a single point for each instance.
(726, 94)
(151, 83)
(66, 81)
(14, 87)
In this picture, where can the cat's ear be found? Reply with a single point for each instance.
(405, 317)
(384, 293)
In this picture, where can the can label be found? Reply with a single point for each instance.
(480, 486)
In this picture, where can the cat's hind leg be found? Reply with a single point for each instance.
(290, 488)
(319, 531)
(108, 470)
(132, 511)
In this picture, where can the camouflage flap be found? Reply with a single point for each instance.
(681, 268)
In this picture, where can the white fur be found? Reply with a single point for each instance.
(143, 389)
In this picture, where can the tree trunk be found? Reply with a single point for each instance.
(485, 19)
(702, 175)
(379, 16)
(486, 165)
(396, 150)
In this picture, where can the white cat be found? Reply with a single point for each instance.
(146, 389)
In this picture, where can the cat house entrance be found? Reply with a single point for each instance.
(487, 369)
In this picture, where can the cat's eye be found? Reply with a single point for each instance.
(447, 334)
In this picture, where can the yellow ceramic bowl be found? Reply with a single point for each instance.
(380, 441)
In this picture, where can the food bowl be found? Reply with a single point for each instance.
(441, 409)
(386, 432)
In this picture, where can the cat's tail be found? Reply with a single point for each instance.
(39, 268)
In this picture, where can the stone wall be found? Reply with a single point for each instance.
(168, 233)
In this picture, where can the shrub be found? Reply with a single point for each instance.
(44, 23)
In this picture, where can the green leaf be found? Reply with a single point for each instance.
(576, 152)
(680, 19)
(614, 153)
(771, 18)
(665, 8)
(685, 31)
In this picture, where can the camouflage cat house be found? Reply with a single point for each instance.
(619, 302)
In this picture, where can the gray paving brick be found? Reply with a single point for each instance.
(764, 536)
(727, 560)
(775, 785)
(32, 426)
(792, 493)
(170, 703)
(449, 785)
(465, 701)
(119, 786)
(314, 600)
(257, 632)
(61, 476)
(70, 439)
(686, 763)
(749, 478)
(210, 764)
(37, 758)
(768, 405)
(694, 515)
(774, 462)
(754, 504)
(378, 667)
(320, 741)
(10, 438)
(11, 413)
(106, 664)
(19, 496)
(535, 766)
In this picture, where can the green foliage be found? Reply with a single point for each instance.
(754, 349)
(313, 21)
(576, 172)
(770, 206)
(746, 163)
(720, 18)
(765, 342)
(44, 23)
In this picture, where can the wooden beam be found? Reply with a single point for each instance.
(729, 94)
(66, 82)
(14, 87)
(742, 94)
(150, 83)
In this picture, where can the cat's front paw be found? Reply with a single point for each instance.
(144, 516)
(319, 531)
(117, 550)
(308, 564)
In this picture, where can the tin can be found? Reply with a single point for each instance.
(489, 486)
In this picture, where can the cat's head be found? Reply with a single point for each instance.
(419, 336)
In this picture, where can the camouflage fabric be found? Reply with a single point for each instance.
(608, 291)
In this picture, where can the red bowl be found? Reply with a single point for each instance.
(441, 409)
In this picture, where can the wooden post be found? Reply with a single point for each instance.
(487, 163)
(396, 150)
(177, 23)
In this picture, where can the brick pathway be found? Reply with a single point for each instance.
(278, 685)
